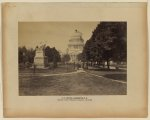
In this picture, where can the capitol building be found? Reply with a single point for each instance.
(75, 46)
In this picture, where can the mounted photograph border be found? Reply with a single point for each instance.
(99, 106)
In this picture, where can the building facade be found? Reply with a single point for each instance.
(75, 46)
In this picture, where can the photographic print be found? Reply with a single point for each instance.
(72, 58)
(68, 60)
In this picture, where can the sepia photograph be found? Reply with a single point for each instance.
(72, 58)
(75, 60)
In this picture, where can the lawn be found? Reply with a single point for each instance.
(59, 69)
(111, 74)
(81, 83)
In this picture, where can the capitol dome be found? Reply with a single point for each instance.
(75, 46)
(76, 38)
(76, 34)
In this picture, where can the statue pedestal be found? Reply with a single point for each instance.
(40, 60)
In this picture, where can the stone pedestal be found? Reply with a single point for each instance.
(40, 60)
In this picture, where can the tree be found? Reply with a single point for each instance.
(26, 55)
(56, 57)
(53, 55)
(80, 57)
(30, 55)
(22, 55)
(112, 38)
(49, 54)
(65, 58)
(108, 42)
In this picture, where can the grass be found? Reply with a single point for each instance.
(74, 84)
(121, 77)
(59, 69)
(111, 74)
(35, 84)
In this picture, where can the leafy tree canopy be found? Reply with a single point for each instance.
(108, 42)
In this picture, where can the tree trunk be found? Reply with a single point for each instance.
(74, 65)
(82, 65)
(91, 63)
(67, 67)
(54, 64)
(87, 64)
(108, 64)
(117, 66)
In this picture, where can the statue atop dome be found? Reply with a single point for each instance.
(77, 33)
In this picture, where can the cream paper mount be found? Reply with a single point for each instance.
(19, 23)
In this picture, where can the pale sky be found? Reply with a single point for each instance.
(54, 34)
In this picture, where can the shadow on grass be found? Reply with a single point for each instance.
(122, 77)
(105, 69)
